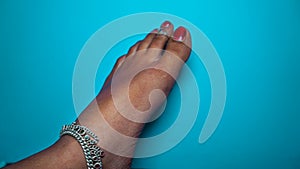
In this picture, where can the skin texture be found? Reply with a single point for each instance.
(146, 67)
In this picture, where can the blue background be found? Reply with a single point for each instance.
(258, 43)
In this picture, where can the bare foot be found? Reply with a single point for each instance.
(138, 84)
(127, 101)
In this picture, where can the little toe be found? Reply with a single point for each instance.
(132, 50)
(116, 66)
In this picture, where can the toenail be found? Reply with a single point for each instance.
(154, 31)
(164, 28)
(163, 32)
(179, 34)
(165, 24)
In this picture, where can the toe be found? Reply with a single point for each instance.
(166, 30)
(177, 51)
(133, 49)
(180, 44)
(144, 44)
(116, 66)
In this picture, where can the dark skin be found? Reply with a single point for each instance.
(103, 117)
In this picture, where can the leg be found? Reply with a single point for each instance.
(152, 59)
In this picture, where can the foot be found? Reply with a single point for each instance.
(138, 84)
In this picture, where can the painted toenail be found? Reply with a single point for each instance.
(165, 24)
(164, 28)
(179, 34)
(163, 32)
(154, 31)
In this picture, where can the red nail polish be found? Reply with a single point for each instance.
(179, 34)
(165, 24)
(154, 31)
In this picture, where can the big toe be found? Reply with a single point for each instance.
(177, 51)
(180, 45)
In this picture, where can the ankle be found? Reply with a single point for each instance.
(115, 119)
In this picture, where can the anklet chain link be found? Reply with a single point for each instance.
(88, 142)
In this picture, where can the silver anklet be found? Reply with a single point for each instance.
(88, 141)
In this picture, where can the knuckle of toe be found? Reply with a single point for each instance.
(161, 37)
(132, 49)
(121, 58)
(180, 49)
(156, 44)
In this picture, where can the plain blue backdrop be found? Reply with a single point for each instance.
(258, 43)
